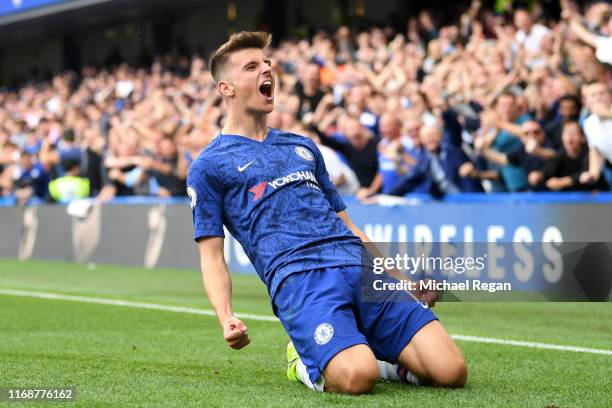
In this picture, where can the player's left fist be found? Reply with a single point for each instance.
(235, 333)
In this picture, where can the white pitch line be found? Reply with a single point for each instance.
(128, 303)
(518, 343)
(204, 312)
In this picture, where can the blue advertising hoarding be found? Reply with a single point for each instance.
(534, 243)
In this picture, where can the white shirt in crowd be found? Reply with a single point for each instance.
(532, 40)
(603, 52)
(599, 135)
(336, 168)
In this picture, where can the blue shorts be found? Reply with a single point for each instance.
(323, 314)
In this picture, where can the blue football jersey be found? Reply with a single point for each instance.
(276, 198)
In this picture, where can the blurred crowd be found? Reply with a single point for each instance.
(495, 102)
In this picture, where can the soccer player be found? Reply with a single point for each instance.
(271, 190)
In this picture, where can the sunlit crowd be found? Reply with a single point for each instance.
(495, 102)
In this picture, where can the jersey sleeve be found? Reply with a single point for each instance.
(335, 201)
(206, 200)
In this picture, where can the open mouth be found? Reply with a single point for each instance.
(266, 89)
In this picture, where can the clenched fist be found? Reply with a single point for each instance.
(235, 333)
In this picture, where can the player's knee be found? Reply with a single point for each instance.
(359, 378)
(460, 373)
(454, 374)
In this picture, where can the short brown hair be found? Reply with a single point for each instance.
(238, 41)
(505, 93)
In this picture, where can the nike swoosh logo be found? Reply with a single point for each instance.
(243, 168)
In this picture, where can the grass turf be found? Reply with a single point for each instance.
(117, 356)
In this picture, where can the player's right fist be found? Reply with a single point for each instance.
(235, 333)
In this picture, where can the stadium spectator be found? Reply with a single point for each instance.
(92, 158)
(437, 171)
(27, 178)
(598, 130)
(503, 130)
(343, 177)
(569, 107)
(123, 176)
(601, 41)
(393, 159)
(85, 148)
(530, 155)
(8, 153)
(70, 186)
(358, 146)
(562, 173)
(167, 170)
(529, 36)
(594, 14)
(308, 89)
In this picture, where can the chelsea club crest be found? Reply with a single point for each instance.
(304, 153)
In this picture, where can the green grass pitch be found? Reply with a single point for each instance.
(118, 356)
